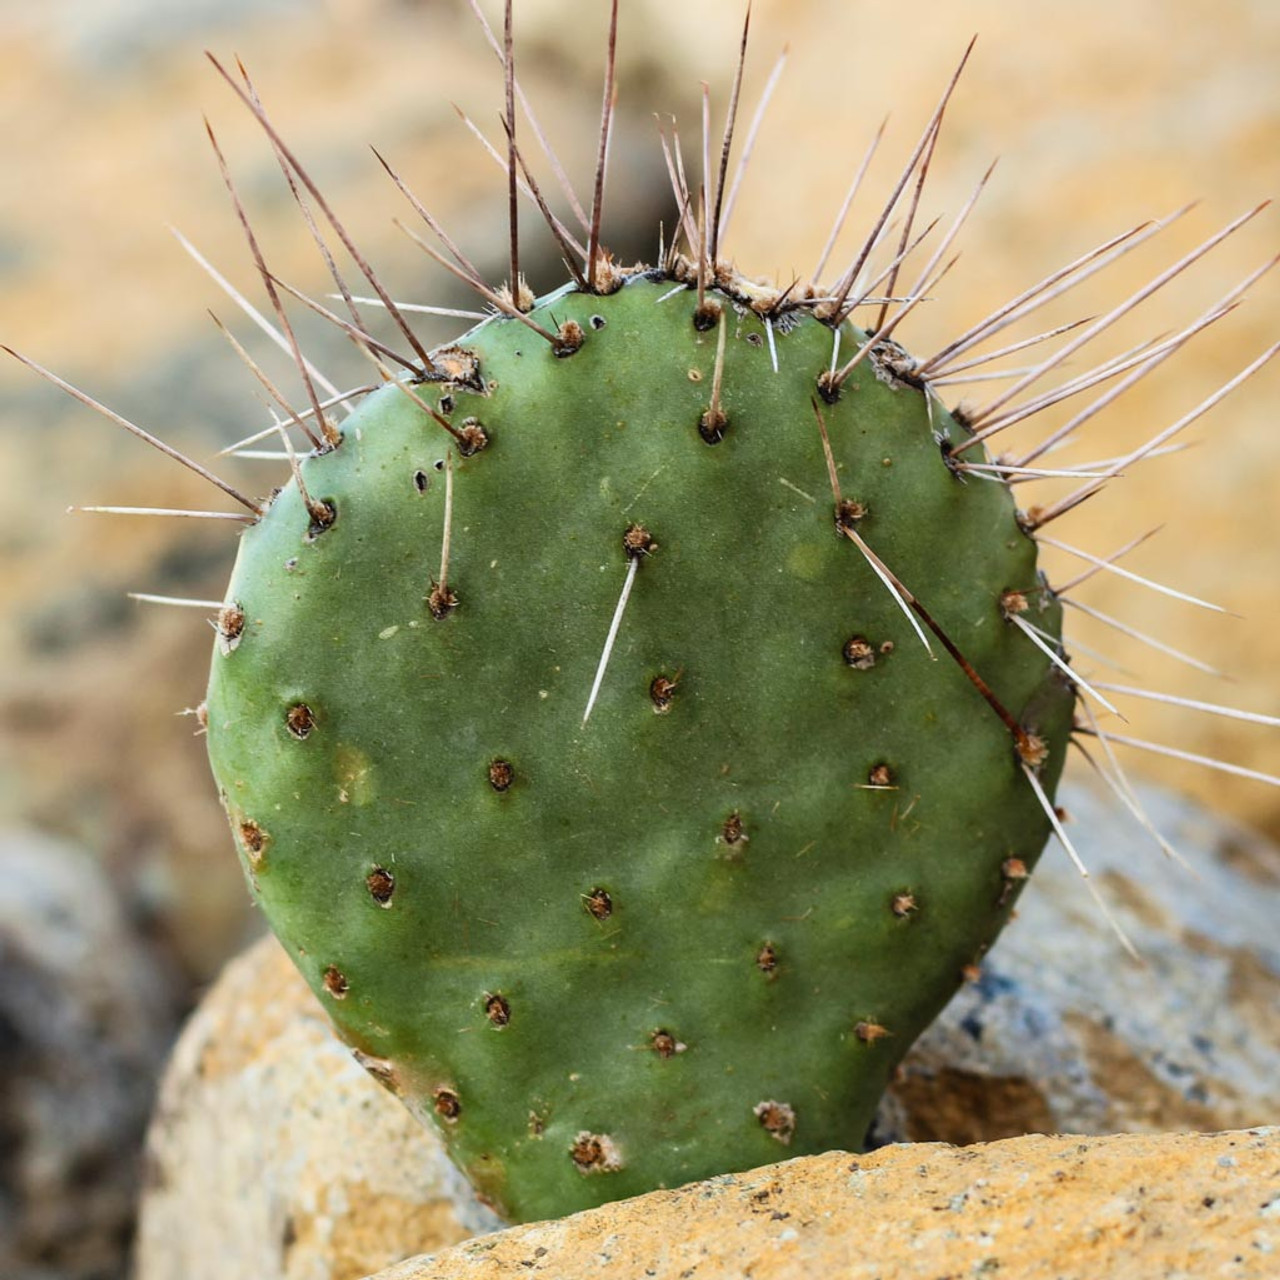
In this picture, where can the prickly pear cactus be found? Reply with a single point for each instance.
(695, 929)
(639, 715)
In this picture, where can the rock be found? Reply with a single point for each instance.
(1038, 1208)
(273, 1154)
(1064, 1032)
(85, 1021)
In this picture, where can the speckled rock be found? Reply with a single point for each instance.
(1162, 1207)
(271, 1149)
(85, 1020)
(273, 1155)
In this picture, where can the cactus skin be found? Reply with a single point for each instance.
(685, 937)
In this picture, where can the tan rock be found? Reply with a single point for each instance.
(273, 1154)
(1035, 1208)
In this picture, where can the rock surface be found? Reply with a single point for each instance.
(1163, 1207)
(1063, 1032)
(274, 1154)
(85, 1021)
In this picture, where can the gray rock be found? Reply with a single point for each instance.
(1063, 1031)
(84, 1023)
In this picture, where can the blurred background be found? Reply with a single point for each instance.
(1102, 116)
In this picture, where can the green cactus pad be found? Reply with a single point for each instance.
(697, 932)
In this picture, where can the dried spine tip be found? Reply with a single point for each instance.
(778, 1119)
(381, 885)
(661, 691)
(568, 340)
(497, 1009)
(869, 1032)
(904, 904)
(501, 775)
(598, 903)
(595, 1153)
(859, 653)
(665, 1045)
(447, 1104)
(335, 982)
(300, 720)
(638, 542)
(136, 430)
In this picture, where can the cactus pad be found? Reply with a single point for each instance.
(695, 931)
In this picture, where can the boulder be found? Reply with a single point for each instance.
(273, 1154)
(85, 1022)
(1163, 1207)
(1062, 1030)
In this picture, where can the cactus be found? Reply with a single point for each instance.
(639, 717)
(656, 942)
